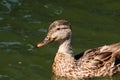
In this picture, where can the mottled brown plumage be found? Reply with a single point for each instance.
(101, 61)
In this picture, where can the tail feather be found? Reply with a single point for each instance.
(114, 48)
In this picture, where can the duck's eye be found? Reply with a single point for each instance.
(58, 28)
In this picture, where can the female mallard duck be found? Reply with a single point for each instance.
(101, 61)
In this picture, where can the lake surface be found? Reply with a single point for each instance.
(23, 23)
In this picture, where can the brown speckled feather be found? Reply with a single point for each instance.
(101, 55)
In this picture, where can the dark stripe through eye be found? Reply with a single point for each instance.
(61, 28)
(58, 28)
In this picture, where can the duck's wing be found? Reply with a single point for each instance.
(101, 56)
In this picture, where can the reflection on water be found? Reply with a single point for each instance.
(23, 23)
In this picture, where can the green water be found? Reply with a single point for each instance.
(23, 23)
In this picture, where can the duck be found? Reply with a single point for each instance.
(95, 62)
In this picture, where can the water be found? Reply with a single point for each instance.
(23, 23)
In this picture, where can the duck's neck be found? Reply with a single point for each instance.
(65, 46)
(64, 60)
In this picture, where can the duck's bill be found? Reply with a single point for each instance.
(45, 41)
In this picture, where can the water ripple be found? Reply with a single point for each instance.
(31, 47)
(1, 18)
(14, 45)
(27, 16)
(6, 28)
(3, 76)
(58, 11)
(10, 43)
(42, 30)
(47, 5)
(8, 4)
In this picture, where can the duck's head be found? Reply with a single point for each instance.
(59, 30)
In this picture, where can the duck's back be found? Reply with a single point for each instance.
(102, 61)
